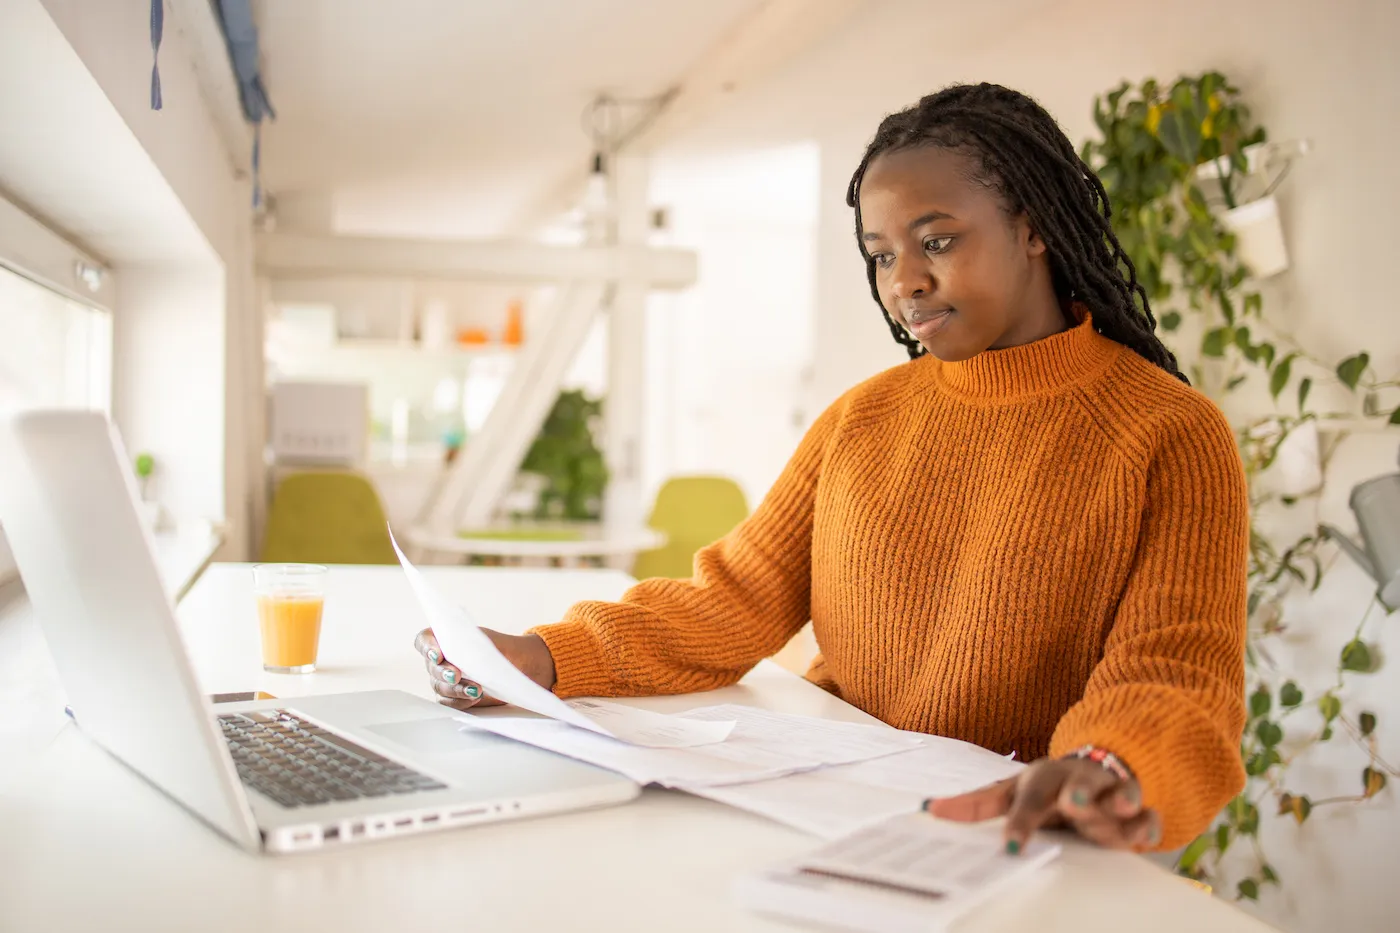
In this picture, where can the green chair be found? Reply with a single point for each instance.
(693, 511)
(327, 518)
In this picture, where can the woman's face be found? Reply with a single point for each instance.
(950, 265)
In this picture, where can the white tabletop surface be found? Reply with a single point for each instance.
(596, 540)
(86, 845)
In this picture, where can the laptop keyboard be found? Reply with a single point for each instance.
(297, 763)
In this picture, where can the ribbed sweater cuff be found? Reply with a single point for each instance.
(580, 665)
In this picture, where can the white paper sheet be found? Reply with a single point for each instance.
(843, 799)
(471, 651)
(762, 745)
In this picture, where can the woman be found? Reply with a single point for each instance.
(1032, 536)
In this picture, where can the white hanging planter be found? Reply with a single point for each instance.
(1258, 231)
(1257, 227)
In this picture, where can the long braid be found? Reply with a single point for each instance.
(1025, 156)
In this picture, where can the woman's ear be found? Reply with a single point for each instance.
(1026, 234)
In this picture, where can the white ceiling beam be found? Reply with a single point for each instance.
(313, 255)
(774, 34)
(208, 54)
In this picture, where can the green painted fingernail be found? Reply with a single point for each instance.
(1079, 798)
(472, 691)
(434, 656)
(1013, 847)
(450, 676)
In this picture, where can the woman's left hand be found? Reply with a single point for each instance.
(1059, 792)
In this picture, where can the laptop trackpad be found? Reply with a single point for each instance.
(440, 736)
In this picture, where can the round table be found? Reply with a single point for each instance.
(565, 545)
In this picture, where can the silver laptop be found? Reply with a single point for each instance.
(271, 776)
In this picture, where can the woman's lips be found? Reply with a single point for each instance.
(926, 324)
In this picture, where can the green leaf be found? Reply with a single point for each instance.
(1170, 321)
(1242, 340)
(1304, 388)
(1356, 657)
(1269, 733)
(1214, 342)
(1395, 416)
(1367, 722)
(1234, 383)
(1266, 353)
(1267, 872)
(1329, 706)
(1192, 854)
(1350, 369)
(1253, 303)
(1289, 695)
(1326, 734)
(1372, 782)
(1222, 837)
(1278, 379)
(1259, 702)
(1180, 129)
(1248, 889)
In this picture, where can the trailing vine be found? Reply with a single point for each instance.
(1173, 159)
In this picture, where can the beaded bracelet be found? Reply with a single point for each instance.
(1105, 759)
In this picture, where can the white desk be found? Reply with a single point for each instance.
(85, 844)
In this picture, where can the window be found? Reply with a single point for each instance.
(54, 352)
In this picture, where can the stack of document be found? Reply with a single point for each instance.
(467, 646)
(761, 746)
(823, 777)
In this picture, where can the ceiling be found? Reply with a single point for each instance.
(446, 117)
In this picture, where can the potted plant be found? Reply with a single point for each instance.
(152, 513)
(566, 456)
(1202, 122)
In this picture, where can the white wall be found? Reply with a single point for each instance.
(1328, 72)
(168, 392)
(727, 360)
(189, 145)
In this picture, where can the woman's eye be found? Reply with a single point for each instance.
(938, 244)
(883, 260)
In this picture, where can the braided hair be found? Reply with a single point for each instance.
(1023, 155)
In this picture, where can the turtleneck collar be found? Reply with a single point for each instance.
(1060, 361)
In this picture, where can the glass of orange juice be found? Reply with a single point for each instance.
(290, 597)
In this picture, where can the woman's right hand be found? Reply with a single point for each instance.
(529, 653)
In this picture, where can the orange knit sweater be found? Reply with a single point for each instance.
(1037, 549)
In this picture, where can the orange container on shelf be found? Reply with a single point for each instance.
(472, 337)
(514, 333)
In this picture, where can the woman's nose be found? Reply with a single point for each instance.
(911, 278)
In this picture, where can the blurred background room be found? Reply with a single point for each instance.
(562, 284)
